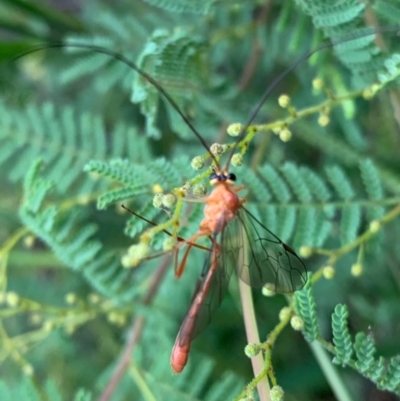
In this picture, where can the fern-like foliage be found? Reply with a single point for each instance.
(365, 350)
(383, 372)
(305, 307)
(176, 59)
(392, 379)
(183, 6)
(165, 52)
(299, 197)
(346, 20)
(341, 335)
(65, 141)
(129, 180)
(122, 32)
(72, 240)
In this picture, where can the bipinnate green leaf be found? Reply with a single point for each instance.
(341, 335)
(305, 307)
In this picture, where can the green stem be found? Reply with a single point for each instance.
(141, 383)
(338, 253)
(253, 337)
(331, 374)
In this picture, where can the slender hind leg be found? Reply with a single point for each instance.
(179, 267)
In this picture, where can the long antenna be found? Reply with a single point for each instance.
(131, 64)
(292, 67)
(168, 97)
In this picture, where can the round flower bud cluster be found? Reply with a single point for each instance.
(297, 323)
(116, 318)
(328, 272)
(234, 129)
(357, 269)
(369, 93)
(158, 201)
(317, 83)
(164, 200)
(237, 160)
(285, 135)
(323, 120)
(252, 350)
(374, 226)
(168, 200)
(268, 290)
(168, 244)
(157, 189)
(284, 101)
(12, 299)
(29, 241)
(94, 298)
(217, 149)
(277, 393)
(284, 313)
(197, 163)
(70, 298)
(134, 255)
(305, 251)
(199, 190)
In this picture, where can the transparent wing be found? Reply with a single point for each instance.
(259, 256)
(265, 258)
(226, 248)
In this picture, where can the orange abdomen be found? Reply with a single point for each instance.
(179, 356)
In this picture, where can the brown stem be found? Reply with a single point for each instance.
(251, 65)
(136, 331)
(254, 58)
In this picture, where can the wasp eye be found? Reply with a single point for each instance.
(231, 177)
(213, 176)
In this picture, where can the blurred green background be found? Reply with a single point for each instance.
(67, 306)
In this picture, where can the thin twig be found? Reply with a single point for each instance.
(252, 334)
(136, 331)
(251, 65)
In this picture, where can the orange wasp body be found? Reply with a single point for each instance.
(230, 227)
(221, 207)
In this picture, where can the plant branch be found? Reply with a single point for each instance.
(253, 337)
(331, 374)
(136, 331)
